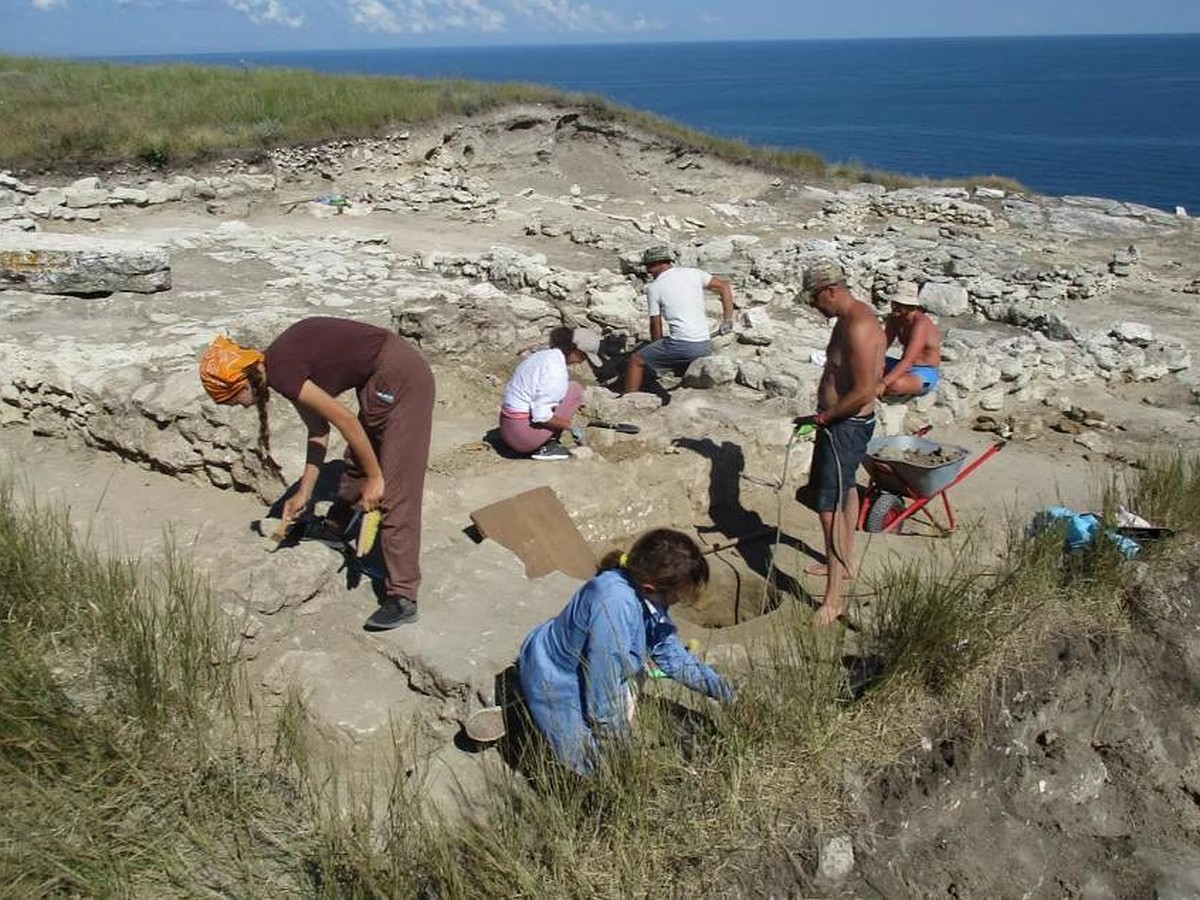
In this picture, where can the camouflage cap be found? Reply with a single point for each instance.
(821, 274)
(657, 254)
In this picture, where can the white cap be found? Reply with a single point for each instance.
(588, 340)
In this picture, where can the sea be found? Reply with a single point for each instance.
(1103, 116)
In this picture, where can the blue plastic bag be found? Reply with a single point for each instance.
(1082, 530)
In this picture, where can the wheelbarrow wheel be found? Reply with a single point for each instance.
(885, 509)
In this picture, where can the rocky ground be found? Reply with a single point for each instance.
(1069, 330)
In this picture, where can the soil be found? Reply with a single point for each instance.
(927, 459)
(1084, 780)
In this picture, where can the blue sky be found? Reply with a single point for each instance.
(116, 27)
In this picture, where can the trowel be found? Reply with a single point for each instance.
(623, 427)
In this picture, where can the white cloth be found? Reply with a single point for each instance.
(538, 384)
(678, 296)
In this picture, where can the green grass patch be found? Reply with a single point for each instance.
(67, 115)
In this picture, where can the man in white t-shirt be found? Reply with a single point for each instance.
(676, 294)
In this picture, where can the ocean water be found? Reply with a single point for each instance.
(1102, 116)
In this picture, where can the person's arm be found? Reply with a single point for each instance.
(319, 411)
(606, 691)
(656, 328)
(918, 337)
(862, 348)
(720, 286)
(551, 387)
(678, 664)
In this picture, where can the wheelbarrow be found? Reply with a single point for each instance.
(907, 472)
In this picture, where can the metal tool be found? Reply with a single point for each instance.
(622, 427)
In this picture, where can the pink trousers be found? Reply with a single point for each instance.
(523, 436)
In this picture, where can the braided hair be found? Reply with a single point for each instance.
(258, 385)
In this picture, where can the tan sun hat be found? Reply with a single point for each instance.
(821, 274)
(907, 294)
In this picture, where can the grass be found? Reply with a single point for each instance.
(63, 115)
(135, 764)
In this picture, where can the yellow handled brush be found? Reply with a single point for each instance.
(367, 533)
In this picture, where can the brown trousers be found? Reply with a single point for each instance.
(396, 411)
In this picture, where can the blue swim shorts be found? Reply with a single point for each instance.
(668, 354)
(928, 374)
(840, 448)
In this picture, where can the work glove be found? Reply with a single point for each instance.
(577, 434)
(726, 327)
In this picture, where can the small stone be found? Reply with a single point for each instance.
(835, 859)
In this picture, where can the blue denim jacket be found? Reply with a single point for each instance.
(578, 669)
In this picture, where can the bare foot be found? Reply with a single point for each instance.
(827, 614)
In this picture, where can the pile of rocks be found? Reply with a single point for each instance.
(22, 205)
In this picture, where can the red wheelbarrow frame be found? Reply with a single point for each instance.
(918, 502)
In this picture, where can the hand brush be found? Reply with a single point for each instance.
(367, 533)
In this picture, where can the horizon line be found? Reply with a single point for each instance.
(625, 43)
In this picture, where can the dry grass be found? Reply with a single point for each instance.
(124, 772)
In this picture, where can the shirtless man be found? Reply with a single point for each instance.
(845, 419)
(915, 373)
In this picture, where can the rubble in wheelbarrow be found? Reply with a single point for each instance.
(921, 456)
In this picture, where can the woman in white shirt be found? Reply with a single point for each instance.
(540, 400)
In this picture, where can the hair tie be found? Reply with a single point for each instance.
(623, 561)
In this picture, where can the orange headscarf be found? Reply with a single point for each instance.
(223, 368)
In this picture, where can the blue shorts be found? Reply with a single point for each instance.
(840, 447)
(667, 354)
(928, 374)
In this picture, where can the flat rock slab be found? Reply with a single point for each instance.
(81, 264)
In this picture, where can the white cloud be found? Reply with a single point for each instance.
(47, 5)
(568, 15)
(423, 16)
(267, 11)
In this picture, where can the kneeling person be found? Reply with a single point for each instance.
(580, 671)
(540, 400)
(676, 295)
(915, 371)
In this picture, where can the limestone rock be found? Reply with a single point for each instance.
(1133, 333)
(79, 264)
(710, 371)
(945, 299)
(835, 859)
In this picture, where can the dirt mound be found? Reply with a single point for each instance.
(1083, 783)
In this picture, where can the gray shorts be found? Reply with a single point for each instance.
(667, 353)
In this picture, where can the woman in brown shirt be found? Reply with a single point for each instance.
(387, 443)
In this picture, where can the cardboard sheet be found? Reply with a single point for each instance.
(535, 526)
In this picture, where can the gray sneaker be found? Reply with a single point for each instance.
(552, 449)
(392, 612)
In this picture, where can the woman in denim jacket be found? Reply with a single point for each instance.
(579, 671)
